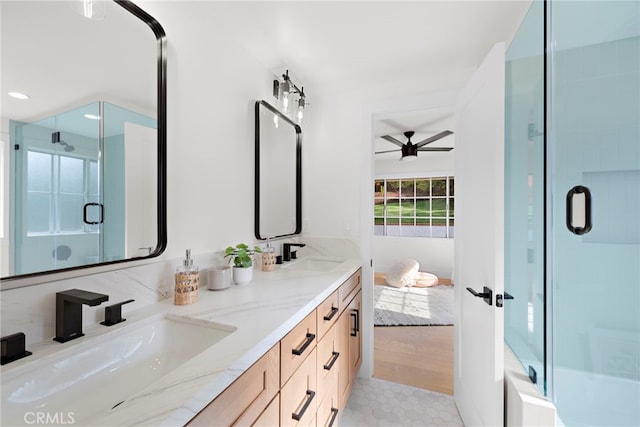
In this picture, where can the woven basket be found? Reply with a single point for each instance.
(186, 290)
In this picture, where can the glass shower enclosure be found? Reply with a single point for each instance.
(573, 207)
(68, 192)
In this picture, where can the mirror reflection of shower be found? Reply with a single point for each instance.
(55, 139)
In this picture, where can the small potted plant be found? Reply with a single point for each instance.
(242, 256)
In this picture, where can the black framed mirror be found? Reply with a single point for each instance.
(278, 173)
(84, 157)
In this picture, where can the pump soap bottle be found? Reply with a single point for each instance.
(268, 257)
(187, 282)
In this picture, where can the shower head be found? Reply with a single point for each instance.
(55, 138)
(68, 148)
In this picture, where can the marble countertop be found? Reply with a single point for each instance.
(262, 312)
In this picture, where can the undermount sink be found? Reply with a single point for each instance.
(101, 373)
(315, 264)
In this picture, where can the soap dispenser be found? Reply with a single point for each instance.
(268, 258)
(187, 282)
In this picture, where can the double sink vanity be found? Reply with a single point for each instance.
(282, 350)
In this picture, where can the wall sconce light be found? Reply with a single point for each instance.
(288, 92)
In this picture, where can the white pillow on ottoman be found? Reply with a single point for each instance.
(402, 273)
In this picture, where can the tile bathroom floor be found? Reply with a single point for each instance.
(379, 403)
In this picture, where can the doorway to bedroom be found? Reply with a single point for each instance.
(414, 217)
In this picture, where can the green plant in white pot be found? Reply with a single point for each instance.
(242, 257)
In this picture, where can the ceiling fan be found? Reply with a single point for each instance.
(410, 150)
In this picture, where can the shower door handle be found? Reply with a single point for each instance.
(500, 298)
(579, 230)
(85, 213)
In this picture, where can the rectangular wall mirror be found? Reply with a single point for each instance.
(278, 187)
(83, 153)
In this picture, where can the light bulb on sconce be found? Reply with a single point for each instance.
(287, 93)
(275, 121)
(301, 104)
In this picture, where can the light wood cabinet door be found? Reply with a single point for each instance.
(349, 340)
(245, 399)
(271, 416)
(298, 400)
(296, 346)
(355, 335)
(327, 314)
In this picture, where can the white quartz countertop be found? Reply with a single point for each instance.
(262, 312)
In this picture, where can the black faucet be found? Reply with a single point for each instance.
(13, 348)
(69, 312)
(113, 313)
(286, 250)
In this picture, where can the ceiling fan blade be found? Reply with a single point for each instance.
(434, 138)
(388, 151)
(392, 140)
(435, 149)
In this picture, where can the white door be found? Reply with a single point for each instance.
(479, 244)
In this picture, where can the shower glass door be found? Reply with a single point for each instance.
(593, 161)
(57, 204)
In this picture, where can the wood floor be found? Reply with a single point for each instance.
(419, 356)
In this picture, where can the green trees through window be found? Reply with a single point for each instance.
(415, 207)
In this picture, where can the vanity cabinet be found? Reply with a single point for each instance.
(304, 380)
(244, 401)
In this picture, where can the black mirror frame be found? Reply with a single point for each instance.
(161, 39)
(298, 131)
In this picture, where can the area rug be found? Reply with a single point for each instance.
(413, 306)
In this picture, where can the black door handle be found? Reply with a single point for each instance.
(85, 214)
(500, 298)
(486, 294)
(579, 189)
(356, 322)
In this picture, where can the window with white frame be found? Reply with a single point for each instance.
(57, 189)
(414, 207)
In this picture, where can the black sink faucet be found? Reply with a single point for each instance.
(286, 250)
(69, 312)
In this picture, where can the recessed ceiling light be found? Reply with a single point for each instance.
(18, 95)
(92, 117)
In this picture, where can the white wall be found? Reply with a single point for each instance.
(213, 84)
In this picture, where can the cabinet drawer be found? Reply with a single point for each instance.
(327, 314)
(327, 415)
(296, 346)
(328, 364)
(298, 400)
(349, 289)
(244, 400)
(271, 416)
